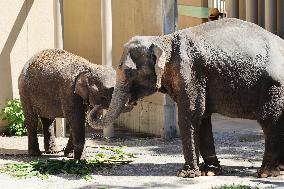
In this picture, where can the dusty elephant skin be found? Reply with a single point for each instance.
(55, 83)
(229, 66)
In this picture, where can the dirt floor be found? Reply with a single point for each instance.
(239, 147)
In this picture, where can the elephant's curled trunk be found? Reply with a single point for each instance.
(118, 101)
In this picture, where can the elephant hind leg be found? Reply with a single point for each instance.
(270, 162)
(48, 134)
(211, 165)
(281, 160)
(31, 123)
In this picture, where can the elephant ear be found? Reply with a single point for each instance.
(83, 86)
(160, 62)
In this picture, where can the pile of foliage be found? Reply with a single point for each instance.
(13, 114)
(81, 168)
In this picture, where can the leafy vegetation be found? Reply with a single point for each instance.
(82, 168)
(13, 113)
(233, 186)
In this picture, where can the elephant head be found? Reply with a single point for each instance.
(95, 90)
(138, 75)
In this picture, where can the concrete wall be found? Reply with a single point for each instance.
(26, 26)
(82, 28)
(130, 18)
(82, 36)
(185, 21)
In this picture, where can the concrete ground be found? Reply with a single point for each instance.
(239, 146)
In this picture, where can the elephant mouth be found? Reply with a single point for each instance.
(133, 99)
(97, 111)
(128, 107)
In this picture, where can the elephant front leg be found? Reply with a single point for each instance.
(69, 150)
(211, 165)
(49, 136)
(187, 132)
(77, 124)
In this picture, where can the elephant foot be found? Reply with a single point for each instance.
(210, 170)
(281, 166)
(79, 153)
(51, 150)
(266, 171)
(187, 172)
(69, 152)
(34, 152)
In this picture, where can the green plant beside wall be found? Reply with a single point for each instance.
(13, 114)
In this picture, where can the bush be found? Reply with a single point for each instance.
(13, 113)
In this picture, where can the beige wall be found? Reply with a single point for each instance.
(82, 36)
(130, 18)
(26, 26)
(135, 17)
(82, 28)
(189, 21)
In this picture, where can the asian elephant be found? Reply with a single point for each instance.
(56, 83)
(228, 66)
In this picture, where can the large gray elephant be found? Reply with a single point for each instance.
(56, 83)
(228, 66)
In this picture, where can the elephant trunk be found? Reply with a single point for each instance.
(120, 97)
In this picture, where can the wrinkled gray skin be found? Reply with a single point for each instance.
(228, 66)
(56, 83)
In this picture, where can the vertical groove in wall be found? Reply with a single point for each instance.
(251, 11)
(280, 18)
(261, 12)
(232, 8)
(27, 28)
(242, 9)
(271, 16)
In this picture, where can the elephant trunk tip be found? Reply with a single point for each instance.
(94, 118)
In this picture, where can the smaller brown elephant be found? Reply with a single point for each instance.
(56, 83)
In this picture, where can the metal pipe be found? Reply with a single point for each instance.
(106, 29)
(242, 9)
(261, 11)
(280, 18)
(170, 16)
(270, 15)
(60, 124)
(232, 8)
(58, 23)
(215, 3)
(251, 11)
(210, 3)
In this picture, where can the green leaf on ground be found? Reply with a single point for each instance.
(81, 168)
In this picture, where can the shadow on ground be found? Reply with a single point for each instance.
(274, 184)
(149, 185)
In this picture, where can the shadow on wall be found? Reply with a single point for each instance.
(6, 91)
